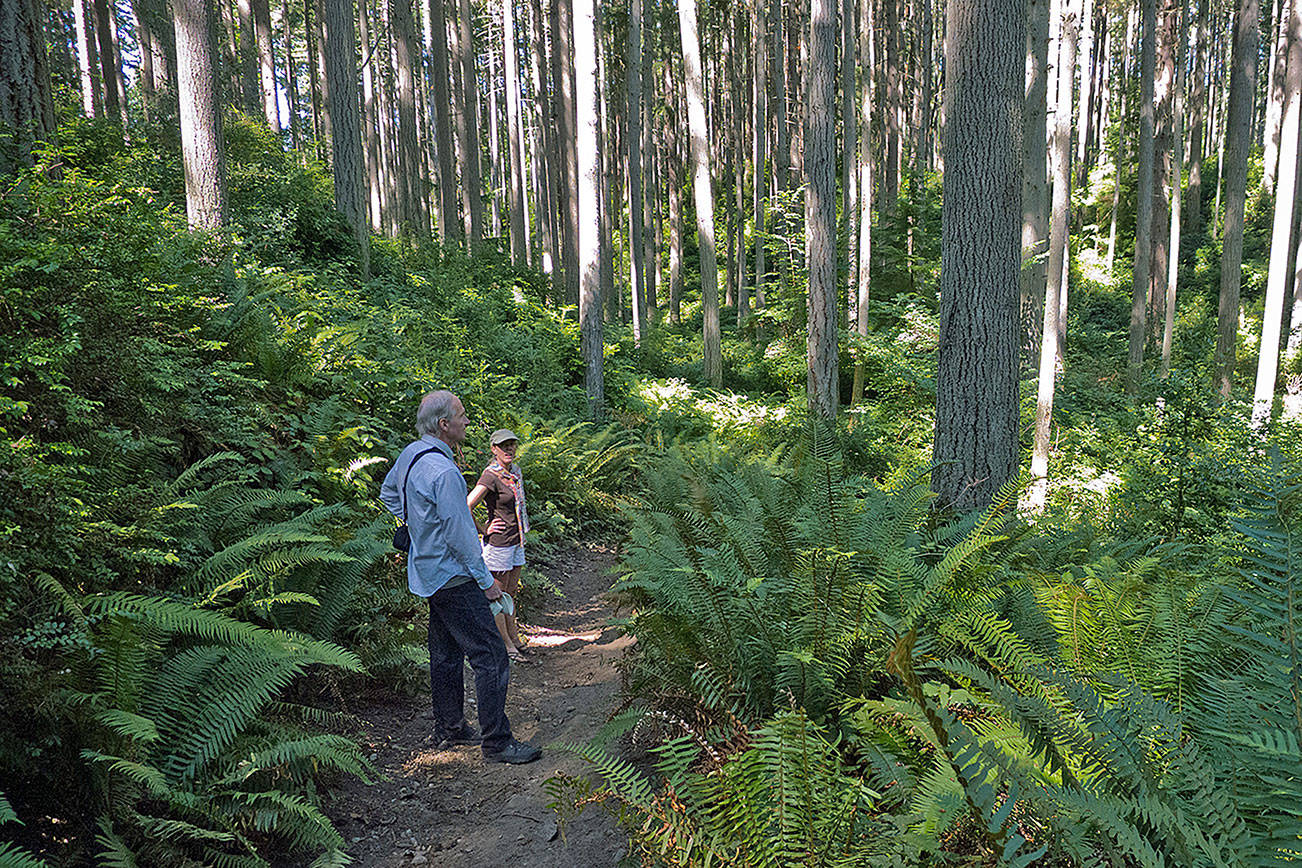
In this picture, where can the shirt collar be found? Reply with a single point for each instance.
(437, 444)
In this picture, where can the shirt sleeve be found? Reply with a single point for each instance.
(487, 479)
(389, 494)
(459, 532)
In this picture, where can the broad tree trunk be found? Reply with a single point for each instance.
(1144, 204)
(202, 149)
(976, 446)
(702, 188)
(1059, 226)
(26, 106)
(1238, 140)
(338, 49)
(820, 210)
(266, 63)
(1285, 189)
(590, 241)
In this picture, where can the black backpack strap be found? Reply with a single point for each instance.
(407, 476)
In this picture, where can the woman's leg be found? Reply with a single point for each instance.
(505, 624)
(510, 580)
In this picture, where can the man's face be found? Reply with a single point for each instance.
(454, 429)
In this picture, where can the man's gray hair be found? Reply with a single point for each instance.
(434, 407)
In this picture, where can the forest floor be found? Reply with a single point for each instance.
(449, 808)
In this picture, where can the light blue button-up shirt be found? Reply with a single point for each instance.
(444, 541)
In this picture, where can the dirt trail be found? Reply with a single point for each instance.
(447, 807)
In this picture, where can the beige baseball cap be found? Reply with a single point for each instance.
(500, 436)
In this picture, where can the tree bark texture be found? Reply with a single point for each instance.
(266, 63)
(92, 98)
(863, 261)
(517, 201)
(406, 54)
(450, 227)
(26, 107)
(1035, 180)
(585, 91)
(703, 192)
(1238, 141)
(976, 446)
(822, 385)
(633, 76)
(338, 49)
(471, 176)
(202, 148)
(1144, 205)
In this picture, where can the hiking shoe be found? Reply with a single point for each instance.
(515, 753)
(462, 735)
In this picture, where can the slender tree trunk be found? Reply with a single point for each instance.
(518, 201)
(1119, 152)
(110, 72)
(374, 152)
(609, 147)
(1144, 206)
(637, 262)
(544, 149)
(1275, 96)
(893, 87)
(865, 169)
(201, 119)
(291, 77)
(976, 446)
(1177, 167)
(1059, 226)
(760, 142)
(1086, 61)
(145, 46)
(782, 133)
(849, 145)
(674, 158)
(1238, 132)
(471, 177)
(92, 98)
(407, 57)
(247, 58)
(651, 195)
(320, 125)
(1164, 87)
(567, 162)
(586, 47)
(702, 187)
(1198, 98)
(1285, 189)
(497, 179)
(436, 46)
(1035, 183)
(338, 48)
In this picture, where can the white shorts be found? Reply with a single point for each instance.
(499, 559)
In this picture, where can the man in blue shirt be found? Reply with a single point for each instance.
(445, 565)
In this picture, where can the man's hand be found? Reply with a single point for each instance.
(493, 591)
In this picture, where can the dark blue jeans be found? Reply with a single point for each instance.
(461, 626)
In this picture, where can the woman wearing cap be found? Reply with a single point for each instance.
(501, 485)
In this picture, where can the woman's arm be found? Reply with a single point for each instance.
(476, 494)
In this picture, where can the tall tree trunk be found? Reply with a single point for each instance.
(338, 49)
(1285, 189)
(760, 142)
(673, 153)
(1238, 133)
(407, 58)
(976, 446)
(1177, 168)
(110, 72)
(822, 386)
(1198, 98)
(471, 176)
(893, 88)
(703, 191)
(865, 169)
(92, 97)
(450, 227)
(1086, 61)
(1035, 181)
(26, 106)
(782, 133)
(515, 138)
(320, 124)
(849, 145)
(590, 241)
(544, 149)
(1119, 152)
(651, 192)
(291, 77)
(1059, 226)
(201, 118)
(1164, 88)
(609, 147)
(145, 47)
(1144, 206)
(567, 159)
(248, 58)
(266, 63)
(373, 151)
(1278, 60)
(497, 179)
(633, 84)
